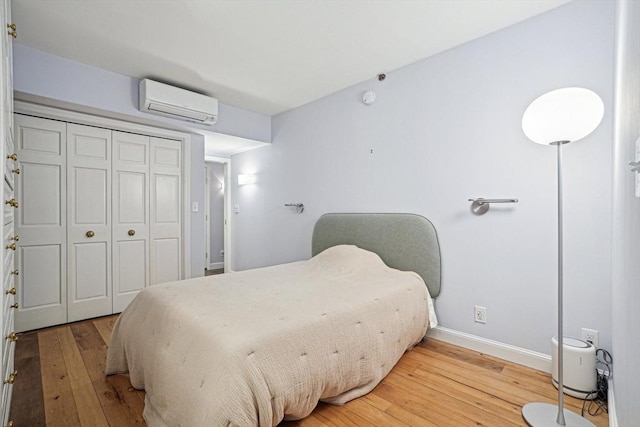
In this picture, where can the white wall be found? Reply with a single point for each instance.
(216, 210)
(444, 130)
(626, 223)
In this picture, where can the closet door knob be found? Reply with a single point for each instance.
(12, 336)
(15, 272)
(11, 202)
(15, 238)
(14, 305)
(16, 171)
(13, 157)
(9, 424)
(11, 291)
(12, 246)
(12, 26)
(90, 233)
(132, 232)
(13, 34)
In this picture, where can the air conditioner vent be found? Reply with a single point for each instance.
(170, 101)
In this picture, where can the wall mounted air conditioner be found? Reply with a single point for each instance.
(170, 101)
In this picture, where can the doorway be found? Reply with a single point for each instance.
(216, 201)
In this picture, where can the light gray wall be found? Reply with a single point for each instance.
(626, 228)
(216, 210)
(42, 74)
(443, 130)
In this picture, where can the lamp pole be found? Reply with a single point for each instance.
(560, 418)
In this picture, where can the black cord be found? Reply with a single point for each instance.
(604, 370)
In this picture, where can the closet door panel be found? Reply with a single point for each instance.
(131, 196)
(167, 262)
(41, 206)
(130, 217)
(166, 214)
(42, 264)
(166, 207)
(132, 274)
(41, 192)
(91, 270)
(89, 221)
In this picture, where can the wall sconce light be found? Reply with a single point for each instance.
(246, 179)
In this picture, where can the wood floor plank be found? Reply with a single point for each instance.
(479, 360)
(30, 410)
(343, 417)
(468, 374)
(375, 401)
(369, 408)
(480, 399)
(89, 408)
(119, 402)
(538, 381)
(455, 404)
(310, 421)
(436, 384)
(59, 404)
(503, 386)
(535, 388)
(104, 325)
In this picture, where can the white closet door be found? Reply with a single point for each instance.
(130, 217)
(166, 196)
(41, 223)
(89, 221)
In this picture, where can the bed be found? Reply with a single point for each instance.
(259, 346)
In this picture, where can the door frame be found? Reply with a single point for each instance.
(207, 217)
(227, 210)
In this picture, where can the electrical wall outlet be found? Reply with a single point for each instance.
(480, 314)
(590, 335)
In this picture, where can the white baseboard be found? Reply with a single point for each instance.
(216, 265)
(511, 353)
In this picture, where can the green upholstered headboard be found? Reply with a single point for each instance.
(405, 242)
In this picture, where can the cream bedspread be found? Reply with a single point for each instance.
(254, 347)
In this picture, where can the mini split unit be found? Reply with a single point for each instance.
(170, 101)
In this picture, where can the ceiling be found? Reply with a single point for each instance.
(264, 56)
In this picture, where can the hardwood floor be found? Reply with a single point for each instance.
(215, 271)
(61, 382)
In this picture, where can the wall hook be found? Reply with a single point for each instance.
(299, 206)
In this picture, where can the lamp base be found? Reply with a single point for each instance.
(545, 415)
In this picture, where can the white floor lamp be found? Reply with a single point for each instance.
(557, 118)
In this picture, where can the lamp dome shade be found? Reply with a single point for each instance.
(567, 114)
